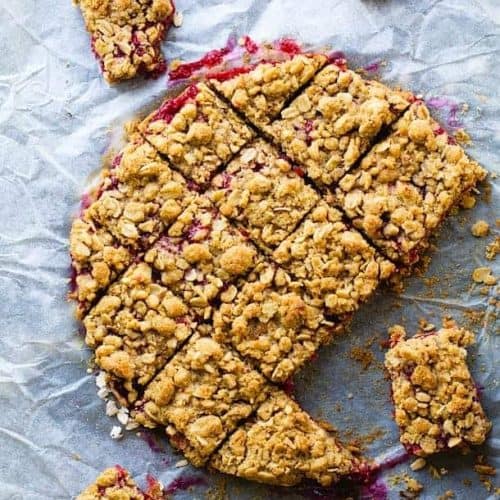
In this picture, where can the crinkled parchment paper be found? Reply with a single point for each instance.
(57, 117)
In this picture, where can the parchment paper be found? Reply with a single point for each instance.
(57, 117)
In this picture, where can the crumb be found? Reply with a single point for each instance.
(447, 495)
(418, 464)
(362, 356)
(178, 19)
(181, 463)
(483, 275)
(462, 137)
(480, 229)
(493, 249)
(116, 432)
(468, 201)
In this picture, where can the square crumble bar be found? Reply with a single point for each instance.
(137, 198)
(126, 35)
(200, 255)
(334, 121)
(407, 183)
(283, 445)
(196, 131)
(262, 92)
(264, 193)
(338, 266)
(271, 320)
(201, 395)
(436, 400)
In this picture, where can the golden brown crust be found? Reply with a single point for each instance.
(436, 400)
(264, 193)
(200, 136)
(334, 121)
(201, 395)
(336, 263)
(126, 35)
(406, 185)
(261, 93)
(282, 445)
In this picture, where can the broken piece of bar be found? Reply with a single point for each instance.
(283, 445)
(136, 199)
(126, 35)
(337, 264)
(200, 255)
(261, 93)
(272, 321)
(115, 483)
(135, 328)
(334, 121)
(201, 395)
(436, 401)
(406, 185)
(196, 131)
(264, 193)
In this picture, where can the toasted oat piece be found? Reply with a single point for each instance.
(200, 255)
(196, 131)
(115, 483)
(261, 93)
(135, 328)
(126, 35)
(283, 445)
(271, 320)
(437, 403)
(137, 198)
(407, 183)
(334, 121)
(336, 263)
(264, 193)
(201, 396)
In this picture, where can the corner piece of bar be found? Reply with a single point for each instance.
(330, 125)
(283, 445)
(201, 396)
(126, 36)
(436, 402)
(135, 328)
(115, 483)
(262, 92)
(264, 193)
(137, 197)
(196, 131)
(272, 321)
(337, 264)
(406, 185)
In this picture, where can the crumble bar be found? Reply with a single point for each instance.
(137, 198)
(115, 483)
(135, 328)
(200, 254)
(271, 320)
(407, 183)
(336, 263)
(264, 193)
(283, 445)
(261, 93)
(196, 131)
(201, 395)
(126, 35)
(436, 400)
(334, 121)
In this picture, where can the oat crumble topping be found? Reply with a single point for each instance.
(201, 395)
(334, 121)
(196, 131)
(406, 184)
(436, 402)
(126, 35)
(261, 93)
(336, 263)
(264, 193)
(282, 445)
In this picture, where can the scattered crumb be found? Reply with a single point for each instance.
(483, 275)
(116, 432)
(178, 19)
(462, 137)
(468, 201)
(485, 469)
(446, 495)
(181, 463)
(218, 491)
(467, 482)
(493, 249)
(480, 229)
(435, 473)
(363, 356)
(413, 487)
(418, 464)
